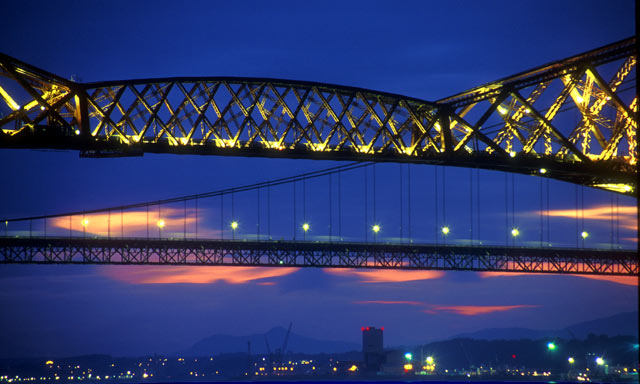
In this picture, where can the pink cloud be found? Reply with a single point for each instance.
(386, 276)
(194, 275)
(474, 310)
(626, 214)
(464, 310)
(624, 280)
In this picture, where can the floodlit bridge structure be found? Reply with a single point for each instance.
(523, 123)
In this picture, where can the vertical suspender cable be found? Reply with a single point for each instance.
(196, 217)
(540, 182)
(294, 210)
(444, 196)
(548, 214)
(184, 229)
(513, 205)
(258, 227)
(330, 208)
(409, 199)
(340, 205)
(221, 216)
(121, 223)
(577, 217)
(618, 220)
(269, 211)
(506, 208)
(366, 224)
(109, 224)
(375, 196)
(401, 205)
(612, 218)
(435, 200)
(45, 227)
(582, 213)
(471, 204)
(147, 221)
(478, 204)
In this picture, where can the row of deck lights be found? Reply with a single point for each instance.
(515, 232)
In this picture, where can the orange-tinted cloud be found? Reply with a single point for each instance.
(625, 280)
(128, 222)
(194, 274)
(627, 215)
(474, 310)
(385, 276)
(464, 310)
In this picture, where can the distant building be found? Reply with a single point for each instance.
(372, 348)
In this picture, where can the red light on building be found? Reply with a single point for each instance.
(382, 328)
(362, 329)
(513, 356)
(368, 329)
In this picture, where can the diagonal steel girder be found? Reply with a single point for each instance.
(296, 119)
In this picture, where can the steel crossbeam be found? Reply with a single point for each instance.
(525, 123)
(313, 254)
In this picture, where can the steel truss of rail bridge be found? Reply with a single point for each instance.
(523, 123)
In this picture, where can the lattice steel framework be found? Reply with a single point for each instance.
(310, 254)
(574, 119)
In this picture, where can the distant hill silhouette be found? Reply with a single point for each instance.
(621, 324)
(217, 344)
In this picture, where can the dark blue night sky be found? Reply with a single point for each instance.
(422, 49)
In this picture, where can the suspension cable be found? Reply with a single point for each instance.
(243, 188)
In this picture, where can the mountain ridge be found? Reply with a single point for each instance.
(625, 323)
(620, 324)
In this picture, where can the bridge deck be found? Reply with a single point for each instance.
(60, 250)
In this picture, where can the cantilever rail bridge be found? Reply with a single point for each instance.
(516, 124)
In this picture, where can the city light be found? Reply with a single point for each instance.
(584, 234)
(445, 230)
(234, 225)
(77, 131)
(429, 360)
(408, 367)
(376, 228)
(408, 356)
(551, 346)
(543, 170)
(599, 361)
(305, 227)
(515, 232)
(502, 110)
(512, 154)
(161, 223)
(571, 360)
